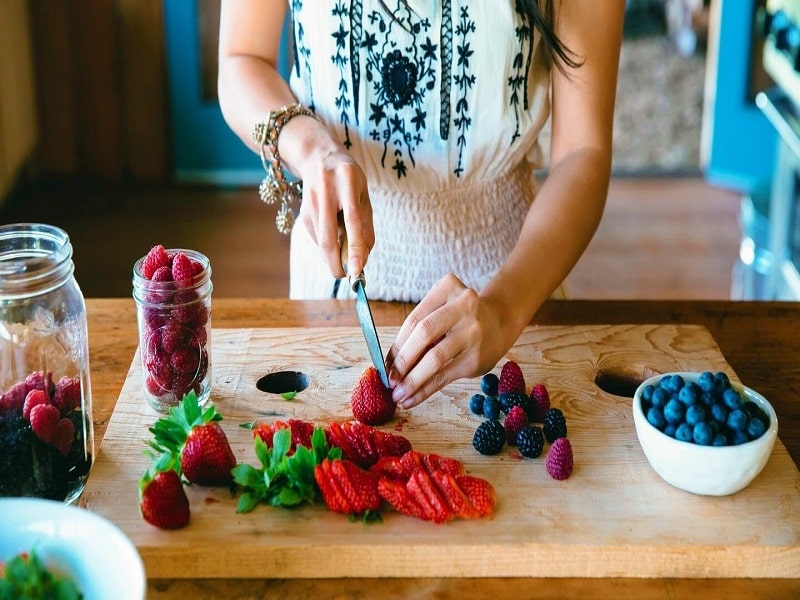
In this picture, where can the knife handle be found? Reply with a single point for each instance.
(353, 281)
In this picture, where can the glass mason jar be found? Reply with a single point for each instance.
(174, 319)
(46, 429)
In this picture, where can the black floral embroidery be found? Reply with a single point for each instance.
(518, 80)
(446, 41)
(464, 81)
(356, 14)
(340, 59)
(400, 76)
(301, 51)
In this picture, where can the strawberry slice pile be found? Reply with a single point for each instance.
(301, 432)
(363, 444)
(346, 488)
(433, 488)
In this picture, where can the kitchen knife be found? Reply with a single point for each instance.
(357, 284)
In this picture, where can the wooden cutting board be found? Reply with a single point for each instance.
(614, 517)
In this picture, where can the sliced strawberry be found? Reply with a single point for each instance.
(459, 503)
(301, 432)
(163, 501)
(391, 467)
(365, 445)
(419, 461)
(397, 495)
(428, 496)
(480, 493)
(336, 436)
(346, 488)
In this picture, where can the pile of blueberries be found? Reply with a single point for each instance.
(709, 412)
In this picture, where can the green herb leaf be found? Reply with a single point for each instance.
(288, 395)
(249, 425)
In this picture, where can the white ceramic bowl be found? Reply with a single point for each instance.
(706, 470)
(75, 542)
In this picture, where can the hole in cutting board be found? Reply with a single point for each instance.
(281, 382)
(623, 380)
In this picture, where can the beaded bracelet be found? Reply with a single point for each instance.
(275, 186)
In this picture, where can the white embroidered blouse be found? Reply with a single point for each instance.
(442, 104)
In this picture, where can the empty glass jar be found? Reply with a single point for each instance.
(46, 429)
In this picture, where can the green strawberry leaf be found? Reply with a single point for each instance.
(247, 502)
(288, 395)
(262, 451)
(281, 442)
(290, 497)
(248, 476)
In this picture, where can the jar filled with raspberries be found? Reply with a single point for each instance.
(172, 291)
(46, 429)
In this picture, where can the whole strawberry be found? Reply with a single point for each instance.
(511, 378)
(196, 440)
(371, 402)
(162, 500)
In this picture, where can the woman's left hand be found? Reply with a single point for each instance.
(452, 333)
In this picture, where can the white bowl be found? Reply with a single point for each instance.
(706, 470)
(76, 543)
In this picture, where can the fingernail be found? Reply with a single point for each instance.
(407, 403)
(398, 393)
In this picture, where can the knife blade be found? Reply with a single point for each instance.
(358, 284)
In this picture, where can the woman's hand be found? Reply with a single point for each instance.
(452, 333)
(334, 183)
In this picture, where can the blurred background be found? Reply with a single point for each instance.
(110, 128)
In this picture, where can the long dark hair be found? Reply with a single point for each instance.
(541, 15)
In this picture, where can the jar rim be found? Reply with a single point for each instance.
(33, 257)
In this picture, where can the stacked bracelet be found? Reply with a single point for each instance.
(275, 186)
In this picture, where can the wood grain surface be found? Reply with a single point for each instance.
(613, 518)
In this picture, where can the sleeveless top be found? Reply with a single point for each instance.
(441, 103)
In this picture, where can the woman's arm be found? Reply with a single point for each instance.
(249, 87)
(456, 332)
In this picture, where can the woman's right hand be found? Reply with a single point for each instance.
(334, 183)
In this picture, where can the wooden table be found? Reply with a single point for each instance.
(760, 340)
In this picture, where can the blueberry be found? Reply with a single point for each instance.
(716, 426)
(702, 434)
(670, 430)
(489, 384)
(739, 437)
(720, 439)
(647, 392)
(660, 397)
(755, 411)
(476, 403)
(684, 433)
(737, 421)
(721, 380)
(672, 383)
(689, 394)
(656, 418)
(719, 412)
(706, 381)
(491, 408)
(673, 412)
(695, 414)
(755, 428)
(732, 399)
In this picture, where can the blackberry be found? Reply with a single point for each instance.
(491, 408)
(489, 438)
(555, 425)
(530, 441)
(489, 384)
(476, 404)
(509, 400)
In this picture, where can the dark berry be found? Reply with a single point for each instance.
(647, 393)
(695, 414)
(530, 441)
(491, 408)
(509, 400)
(656, 418)
(489, 384)
(719, 413)
(702, 434)
(673, 411)
(689, 394)
(739, 437)
(476, 403)
(660, 397)
(732, 399)
(706, 381)
(720, 439)
(489, 438)
(515, 420)
(737, 420)
(555, 425)
(684, 433)
(755, 428)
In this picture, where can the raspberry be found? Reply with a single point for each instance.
(14, 399)
(489, 438)
(38, 381)
(157, 257)
(33, 398)
(182, 268)
(162, 274)
(541, 403)
(515, 420)
(185, 360)
(64, 436)
(67, 396)
(559, 460)
(44, 422)
(530, 441)
(511, 378)
(555, 425)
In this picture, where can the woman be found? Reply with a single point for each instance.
(418, 129)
